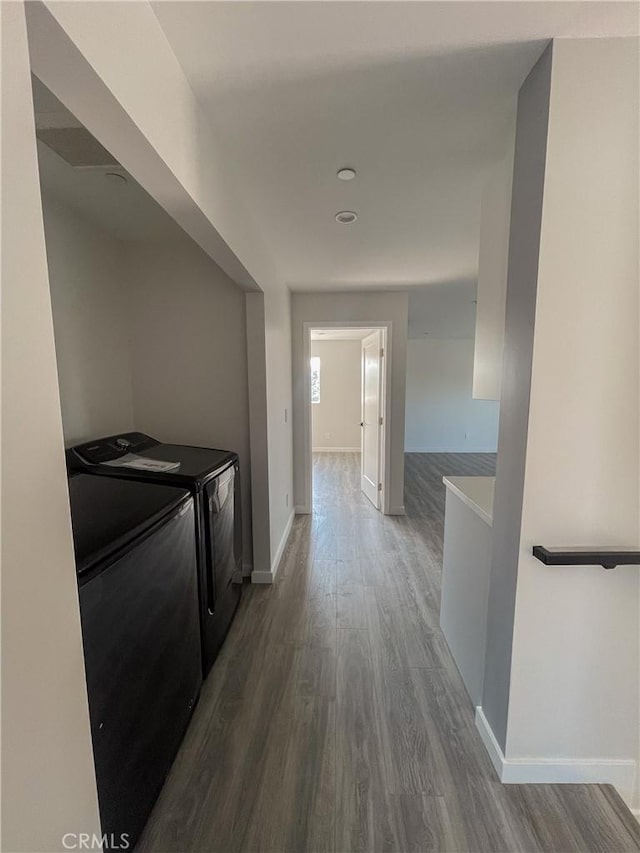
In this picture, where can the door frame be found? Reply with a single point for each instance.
(386, 326)
(379, 336)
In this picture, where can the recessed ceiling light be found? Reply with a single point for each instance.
(346, 174)
(115, 178)
(346, 217)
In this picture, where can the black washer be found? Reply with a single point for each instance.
(137, 587)
(212, 477)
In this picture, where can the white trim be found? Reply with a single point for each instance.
(261, 577)
(269, 577)
(520, 771)
(489, 740)
(283, 544)
(387, 327)
(302, 510)
(335, 450)
(397, 510)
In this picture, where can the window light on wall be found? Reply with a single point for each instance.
(315, 379)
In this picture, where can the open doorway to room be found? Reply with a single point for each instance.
(347, 399)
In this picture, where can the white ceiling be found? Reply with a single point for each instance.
(418, 97)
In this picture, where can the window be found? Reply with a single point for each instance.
(315, 379)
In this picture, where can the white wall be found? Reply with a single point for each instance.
(188, 353)
(562, 681)
(91, 312)
(336, 418)
(524, 249)
(441, 416)
(277, 325)
(370, 308)
(493, 254)
(575, 679)
(258, 429)
(48, 783)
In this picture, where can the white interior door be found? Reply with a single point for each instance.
(371, 413)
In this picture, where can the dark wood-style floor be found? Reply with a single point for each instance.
(335, 719)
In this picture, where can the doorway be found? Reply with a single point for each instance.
(347, 403)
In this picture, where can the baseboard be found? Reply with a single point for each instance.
(302, 509)
(520, 771)
(335, 449)
(261, 577)
(247, 570)
(397, 510)
(283, 543)
(490, 743)
(269, 577)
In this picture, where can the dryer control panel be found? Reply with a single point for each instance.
(113, 447)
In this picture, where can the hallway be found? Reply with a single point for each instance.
(334, 718)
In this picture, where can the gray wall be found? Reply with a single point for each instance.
(149, 336)
(189, 353)
(524, 247)
(90, 304)
(441, 414)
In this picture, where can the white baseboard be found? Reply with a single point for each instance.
(335, 449)
(397, 510)
(490, 743)
(519, 771)
(302, 509)
(283, 543)
(269, 577)
(261, 577)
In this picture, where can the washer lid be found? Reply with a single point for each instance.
(108, 514)
(196, 464)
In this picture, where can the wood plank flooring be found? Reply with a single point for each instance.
(334, 718)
